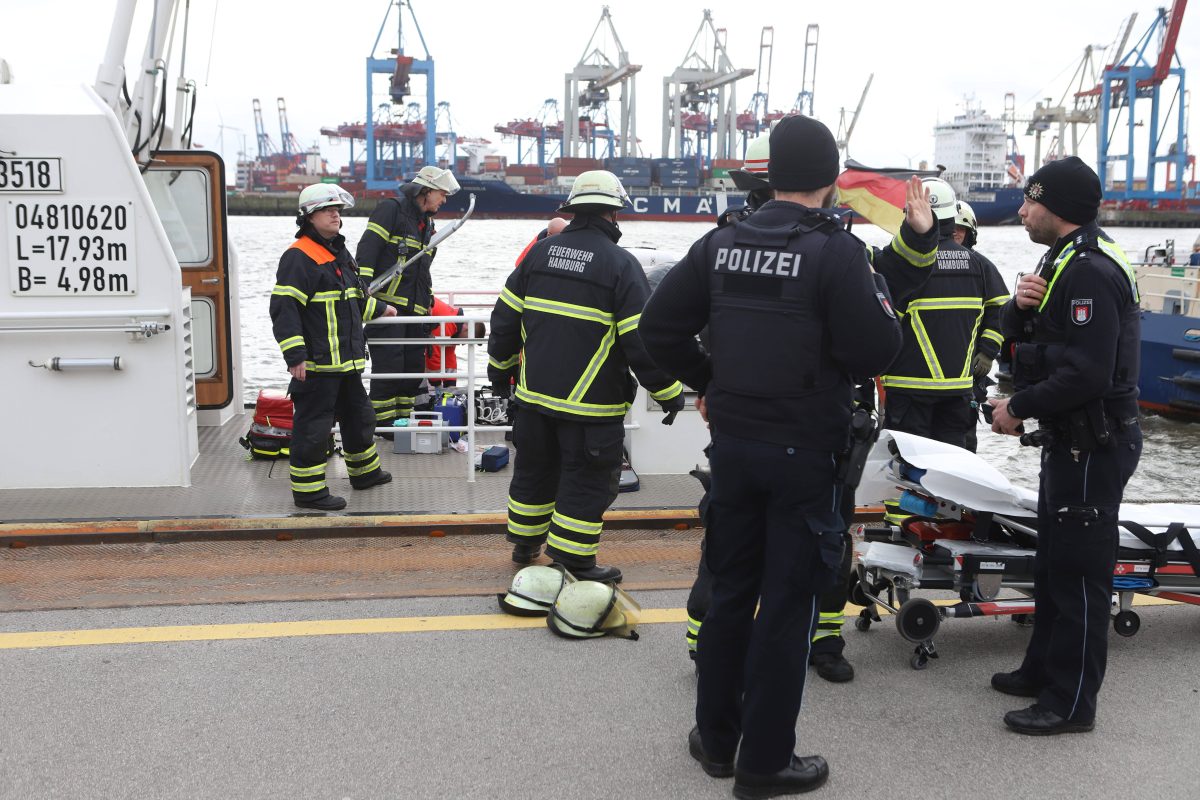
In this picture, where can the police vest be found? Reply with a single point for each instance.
(1042, 354)
(765, 327)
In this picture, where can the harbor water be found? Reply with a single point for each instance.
(480, 256)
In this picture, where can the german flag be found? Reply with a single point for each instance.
(877, 195)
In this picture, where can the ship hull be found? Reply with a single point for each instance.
(1170, 367)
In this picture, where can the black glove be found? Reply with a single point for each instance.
(671, 407)
(501, 384)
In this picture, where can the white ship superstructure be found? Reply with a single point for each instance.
(972, 149)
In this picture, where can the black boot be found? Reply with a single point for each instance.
(833, 667)
(1039, 721)
(595, 573)
(526, 552)
(804, 774)
(715, 767)
(377, 478)
(1016, 684)
(329, 502)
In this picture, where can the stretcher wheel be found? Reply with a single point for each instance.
(862, 623)
(918, 620)
(919, 661)
(1126, 623)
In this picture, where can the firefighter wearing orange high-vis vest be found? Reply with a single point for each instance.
(317, 310)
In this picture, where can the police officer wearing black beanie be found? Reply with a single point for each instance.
(793, 310)
(1075, 369)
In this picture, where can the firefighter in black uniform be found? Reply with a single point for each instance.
(399, 229)
(1076, 325)
(317, 310)
(951, 334)
(793, 311)
(568, 316)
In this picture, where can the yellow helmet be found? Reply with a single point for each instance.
(588, 609)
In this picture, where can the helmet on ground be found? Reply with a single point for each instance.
(966, 216)
(323, 195)
(534, 590)
(588, 609)
(941, 198)
(753, 174)
(596, 187)
(436, 178)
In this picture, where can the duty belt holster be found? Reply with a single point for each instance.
(1087, 427)
(864, 430)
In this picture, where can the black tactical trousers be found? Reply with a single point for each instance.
(319, 399)
(393, 398)
(774, 541)
(1078, 501)
(941, 418)
(565, 477)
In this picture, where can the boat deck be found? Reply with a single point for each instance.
(234, 495)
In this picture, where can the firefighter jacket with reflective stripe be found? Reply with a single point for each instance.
(954, 313)
(793, 311)
(318, 306)
(397, 229)
(569, 316)
(1083, 341)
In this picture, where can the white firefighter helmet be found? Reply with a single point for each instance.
(534, 590)
(323, 195)
(753, 174)
(596, 187)
(588, 609)
(941, 198)
(965, 216)
(436, 178)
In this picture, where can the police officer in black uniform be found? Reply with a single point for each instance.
(568, 315)
(793, 311)
(1075, 369)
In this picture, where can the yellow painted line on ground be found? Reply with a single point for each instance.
(335, 627)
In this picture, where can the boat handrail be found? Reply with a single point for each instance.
(131, 322)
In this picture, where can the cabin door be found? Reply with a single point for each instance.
(188, 189)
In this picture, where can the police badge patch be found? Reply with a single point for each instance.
(1081, 311)
(887, 305)
(1035, 190)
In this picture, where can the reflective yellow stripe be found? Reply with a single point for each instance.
(945, 303)
(905, 382)
(927, 351)
(507, 363)
(628, 324)
(528, 530)
(1118, 255)
(372, 310)
(573, 547)
(966, 369)
(671, 391)
(307, 472)
(365, 272)
(589, 374)
(998, 300)
(1060, 265)
(379, 231)
(577, 525)
(290, 291)
(568, 310)
(327, 297)
(354, 293)
(290, 342)
(331, 331)
(344, 366)
(912, 256)
(558, 404)
(530, 510)
(370, 466)
(511, 300)
(994, 336)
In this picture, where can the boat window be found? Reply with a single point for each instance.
(204, 329)
(184, 205)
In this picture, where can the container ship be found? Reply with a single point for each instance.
(973, 151)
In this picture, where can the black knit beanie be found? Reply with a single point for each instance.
(804, 155)
(1069, 188)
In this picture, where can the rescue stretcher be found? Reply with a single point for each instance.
(974, 533)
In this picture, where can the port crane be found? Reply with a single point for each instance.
(757, 118)
(587, 94)
(808, 78)
(543, 132)
(700, 98)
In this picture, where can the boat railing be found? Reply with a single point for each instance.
(131, 321)
(475, 377)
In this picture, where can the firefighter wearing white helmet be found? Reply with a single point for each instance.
(324, 349)
(399, 229)
(568, 315)
(590, 609)
(534, 590)
(751, 178)
(965, 227)
(951, 335)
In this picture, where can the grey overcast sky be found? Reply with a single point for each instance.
(499, 61)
